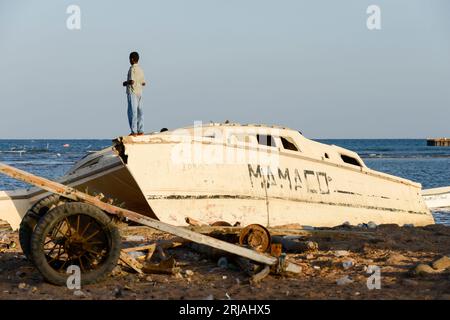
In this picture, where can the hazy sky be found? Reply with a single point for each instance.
(310, 65)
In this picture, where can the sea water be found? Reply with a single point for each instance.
(408, 158)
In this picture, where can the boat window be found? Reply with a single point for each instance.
(350, 160)
(266, 140)
(288, 144)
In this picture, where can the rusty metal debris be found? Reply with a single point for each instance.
(256, 237)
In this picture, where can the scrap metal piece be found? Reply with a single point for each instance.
(276, 249)
(255, 236)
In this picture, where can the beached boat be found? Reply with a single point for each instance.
(232, 173)
(437, 198)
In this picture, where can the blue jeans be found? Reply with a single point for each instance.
(135, 113)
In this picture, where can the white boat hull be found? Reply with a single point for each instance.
(316, 193)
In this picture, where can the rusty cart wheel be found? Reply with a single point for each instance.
(256, 237)
(31, 218)
(75, 234)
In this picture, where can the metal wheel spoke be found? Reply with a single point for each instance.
(51, 240)
(78, 223)
(59, 230)
(85, 229)
(92, 235)
(69, 227)
(87, 258)
(59, 252)
(56, 257)
(53, 249)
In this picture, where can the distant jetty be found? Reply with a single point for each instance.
(438, 142)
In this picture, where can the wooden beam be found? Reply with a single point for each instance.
(276, 231)
(165, 244)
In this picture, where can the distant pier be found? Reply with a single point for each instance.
(439, 142)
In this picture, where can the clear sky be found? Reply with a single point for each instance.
(310, 65)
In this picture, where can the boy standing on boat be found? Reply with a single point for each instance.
(134, 84)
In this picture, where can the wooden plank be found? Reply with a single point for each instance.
(76, 195)
(139, 248)
(164, 244)
(131, 262)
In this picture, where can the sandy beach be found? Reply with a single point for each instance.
(337, 270)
